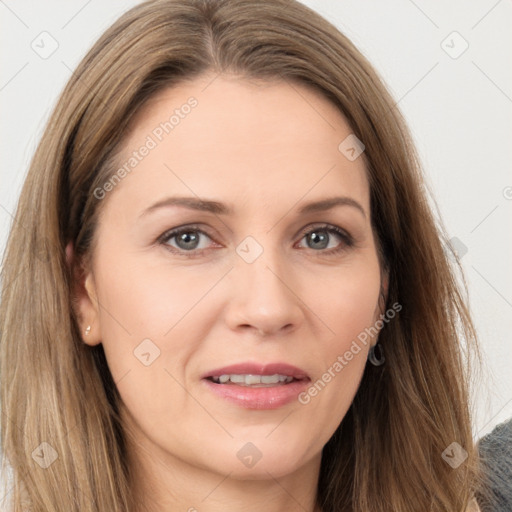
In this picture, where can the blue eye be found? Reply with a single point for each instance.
(187, 240)
(320, 237)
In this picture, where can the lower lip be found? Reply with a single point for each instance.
(271, 397)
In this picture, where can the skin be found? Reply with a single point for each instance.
(265, 149)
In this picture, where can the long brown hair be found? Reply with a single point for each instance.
(387, 453)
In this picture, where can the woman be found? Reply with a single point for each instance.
(225, 289)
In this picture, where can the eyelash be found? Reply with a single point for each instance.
(329, 228)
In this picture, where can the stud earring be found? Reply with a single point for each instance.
(87, 330)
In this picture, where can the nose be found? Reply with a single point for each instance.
(263, 297)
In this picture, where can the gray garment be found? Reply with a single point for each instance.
(495, 451)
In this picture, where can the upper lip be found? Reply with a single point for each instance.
(251, 368)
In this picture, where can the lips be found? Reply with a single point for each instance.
(269, 369)
(257, 386)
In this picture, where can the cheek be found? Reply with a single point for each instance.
(346, 301)
(349, 310)
(148, 300)
(140, 307)
(147, 335)
(353, 320)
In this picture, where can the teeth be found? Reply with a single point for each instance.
(253, 380)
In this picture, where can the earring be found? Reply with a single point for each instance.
(376, 361)
(87, 330)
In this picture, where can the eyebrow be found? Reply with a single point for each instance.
(204, 205)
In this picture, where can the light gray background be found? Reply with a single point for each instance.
(458, 105)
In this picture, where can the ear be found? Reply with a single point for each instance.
(83, 298)
(384, 289)
(382, 300)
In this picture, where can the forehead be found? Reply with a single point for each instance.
(260, 143)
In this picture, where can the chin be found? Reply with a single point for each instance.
(264, 458)
(262, 471)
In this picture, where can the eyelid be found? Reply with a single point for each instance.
(326, 226)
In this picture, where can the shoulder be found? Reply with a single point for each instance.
(496, 457)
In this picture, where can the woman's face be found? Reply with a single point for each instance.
(196, 325)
